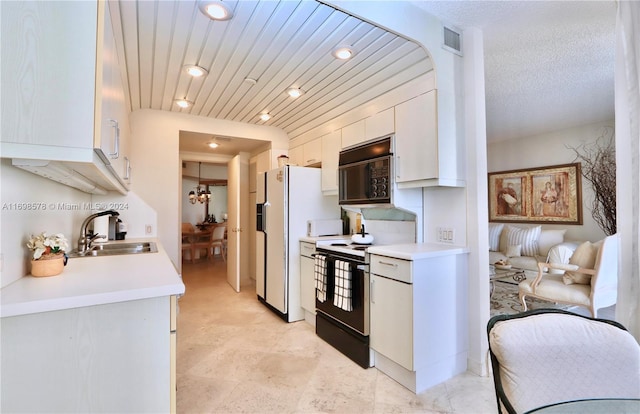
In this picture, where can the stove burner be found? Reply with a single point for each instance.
(360, 247)
(338, 244)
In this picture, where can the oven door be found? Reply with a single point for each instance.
(358, 318)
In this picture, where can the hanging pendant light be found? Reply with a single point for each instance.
(200, 194)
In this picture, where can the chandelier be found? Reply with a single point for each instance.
(201, 195)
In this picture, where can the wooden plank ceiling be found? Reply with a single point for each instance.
(280, 44)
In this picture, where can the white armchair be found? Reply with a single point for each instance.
(600, 292)
(548, 356)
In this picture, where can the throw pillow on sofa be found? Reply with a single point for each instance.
(585, 257)
(513, 251)
(527, 238)
(494, 236)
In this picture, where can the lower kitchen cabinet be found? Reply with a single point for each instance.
(117, 357)
(418, 319)
(392, 319)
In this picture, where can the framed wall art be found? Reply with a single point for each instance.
(537, 195)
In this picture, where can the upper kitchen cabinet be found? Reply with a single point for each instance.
(353, 134)
(380, 124)
(423, 159)
(296, 155)
(68, 118)
(375, 126)
(312, 152)
(330, 151)
(307, 155)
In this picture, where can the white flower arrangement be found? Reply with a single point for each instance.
(43, 245)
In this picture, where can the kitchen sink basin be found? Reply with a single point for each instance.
(115, 249)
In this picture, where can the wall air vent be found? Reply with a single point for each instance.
(452, 40)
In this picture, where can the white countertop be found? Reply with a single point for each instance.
(417, 251)
(89, 281)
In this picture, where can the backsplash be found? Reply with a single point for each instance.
(31, 205)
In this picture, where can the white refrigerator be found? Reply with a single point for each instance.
(285, 199)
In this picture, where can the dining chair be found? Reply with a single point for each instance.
(218, 241)
(548, 356)
(201, 241)
(187, 242)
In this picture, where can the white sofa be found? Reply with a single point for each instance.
(524, 247)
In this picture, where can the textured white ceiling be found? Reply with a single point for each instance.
(549, 65)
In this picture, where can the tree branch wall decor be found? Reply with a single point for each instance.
(599, 169)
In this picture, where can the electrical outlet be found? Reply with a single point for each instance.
(148, 229)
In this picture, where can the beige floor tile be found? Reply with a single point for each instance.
(236, 356)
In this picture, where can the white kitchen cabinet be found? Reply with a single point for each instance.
(312, 152)
(117, 357)
(59, 111)
(296, 155)
(353, 134)
(439, 160)
(307, 281)
(380, 124)
(112, 116)
(417, 318)
(307, 154)
(392, 319)
(173, 349)
(417, 127)
(330, 152)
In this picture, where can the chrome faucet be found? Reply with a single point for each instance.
(84, 242)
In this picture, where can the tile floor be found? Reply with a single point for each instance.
(235, 356)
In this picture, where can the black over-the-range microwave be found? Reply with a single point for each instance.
(365, 173)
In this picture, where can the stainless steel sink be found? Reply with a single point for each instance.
(114, 249)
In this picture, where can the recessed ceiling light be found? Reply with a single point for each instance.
(196, 71)
(183, 103)
(213, 145)
(343, 52)
(295, 92)
(265, 116)
(215, 10)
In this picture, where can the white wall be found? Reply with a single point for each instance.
(30, 205)
(552, 149)
(157, 162)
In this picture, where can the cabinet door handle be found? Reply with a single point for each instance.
(397, 166)
(116, 140)
(127, 169)
(387, 263)
(372, 295)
